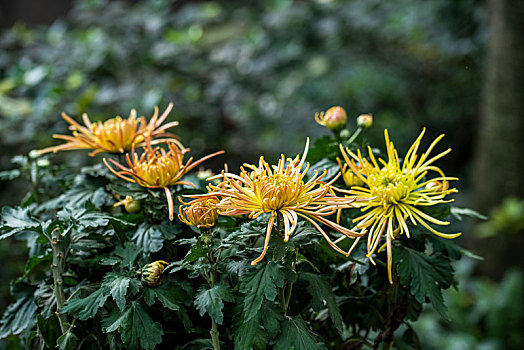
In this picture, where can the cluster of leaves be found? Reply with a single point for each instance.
(303, 295)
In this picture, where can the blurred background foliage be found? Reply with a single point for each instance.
(248, 77)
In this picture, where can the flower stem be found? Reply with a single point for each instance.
(354, 136)
(215, 335)
(58, 271)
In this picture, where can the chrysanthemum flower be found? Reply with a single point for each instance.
(156, 168)
(396, 191)
(115, 135)
(200, 212)
(281, 191)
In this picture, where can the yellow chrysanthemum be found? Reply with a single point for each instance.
(115, 135)
(156, 168)
(281, 191)
(349, 177)
(396, 191)
(199, 212)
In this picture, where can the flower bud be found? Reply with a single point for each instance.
(151, 273)
(200, 212)
(349, 177)
(334, 118)
(131, 205)
(365, 120)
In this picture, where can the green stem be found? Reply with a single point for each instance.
(354, 136)
(58, 271)
(215, 335)
(286, 293)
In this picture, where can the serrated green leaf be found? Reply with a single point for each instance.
(85, 308)
(18, 317)
(320, 289)
(16, 220)
(196, 252)
(169, 294)
(135, 327)
(211, 300)
(260, 281)
(425, 275)
(67, 341)
(84, 189)
(271, 317)
(117, 286)
(33, 262)
(129, 252)
(296, 336)
(248, 334)
(148, 237)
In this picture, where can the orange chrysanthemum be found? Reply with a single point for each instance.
(115, 135)
(281, 191)
(156, 168)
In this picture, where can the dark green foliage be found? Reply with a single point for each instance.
(260, 282)
(135, 327)
(211, 300)
(426, 275)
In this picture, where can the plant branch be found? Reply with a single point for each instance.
(57, 268)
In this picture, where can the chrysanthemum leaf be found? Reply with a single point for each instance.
(118, 286)
(296, 336)
(211, 300)
(16, 220)
(248, 334)
(426, 275)
(87, 307)
(148, 237)
(259, 282)
(135, 326)
(321, 292)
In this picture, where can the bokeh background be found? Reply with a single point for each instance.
(248, 77)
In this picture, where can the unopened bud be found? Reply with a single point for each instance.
(151, 273)
(334, 118)
(365, 120)
(131, 205)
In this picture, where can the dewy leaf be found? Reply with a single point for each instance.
(296, 335)
(425, 275)
(117, 286)
(18, 317)
(16, 220)
(148, 237)
(211, 301)
(135, 327)
(87, 307)
(321, 292)
(259, 281)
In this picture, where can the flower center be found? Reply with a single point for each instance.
(160, 171)
(115, 134)
(278, 191)
(390, 186)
